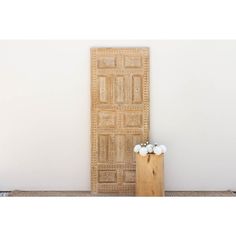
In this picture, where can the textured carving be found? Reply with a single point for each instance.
(137, 89)
(103, 89)
(106, 119)
(107, 62)
(107, 176)
(120, 116)
(133, 119)
(129, 176)
(120, 89)
(119, 148)
(133, 61)
(103, 148)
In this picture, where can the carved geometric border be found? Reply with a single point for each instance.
(146, 108)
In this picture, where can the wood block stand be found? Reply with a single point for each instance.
(150, 175)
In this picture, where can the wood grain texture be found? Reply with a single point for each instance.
(150, 175)
(119, 116)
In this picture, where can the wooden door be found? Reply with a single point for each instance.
(120, 116)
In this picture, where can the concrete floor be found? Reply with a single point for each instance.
(88, 194)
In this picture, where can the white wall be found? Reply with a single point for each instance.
(45, 119)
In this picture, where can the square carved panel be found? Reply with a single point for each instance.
(133, 119)
(106, 119)
(119, 116)
(106, 62)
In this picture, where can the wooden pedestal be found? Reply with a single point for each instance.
(150, 175)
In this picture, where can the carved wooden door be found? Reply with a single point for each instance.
(120, 116)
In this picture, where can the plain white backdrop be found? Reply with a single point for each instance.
(45, 112)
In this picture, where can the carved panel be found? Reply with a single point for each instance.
(133, 119)
(120, 89)
(107, 62)
(133, 61)
(107, 119)
(137, 90)
(119, 116)
(103, 89)
(103, 142)
(107, 176)
(120, 143)
(129, 176)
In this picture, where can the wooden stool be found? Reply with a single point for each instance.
(150, 175)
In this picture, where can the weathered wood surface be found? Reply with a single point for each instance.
(150, 175)
(120, 116)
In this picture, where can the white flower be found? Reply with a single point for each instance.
(157, 150)
(137, 148)
(163, 148)
(149, 148)
(143, 151)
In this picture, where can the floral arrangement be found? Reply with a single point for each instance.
(147, 148)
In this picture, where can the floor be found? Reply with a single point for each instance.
(88, 194)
